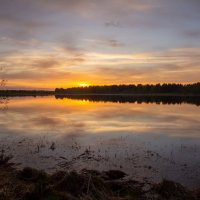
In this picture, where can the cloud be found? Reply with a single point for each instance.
(192, 34)
(105, 42)
(99, 41)
(94, 7)
(45, 64)
(114, 43)
(56, 69)
(175, 65)
(20, 19)
(115, 24)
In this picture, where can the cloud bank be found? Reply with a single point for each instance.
(48, 44)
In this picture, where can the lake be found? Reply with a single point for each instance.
(148, 140)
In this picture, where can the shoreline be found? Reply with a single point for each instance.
(18, 93)
(32, 184)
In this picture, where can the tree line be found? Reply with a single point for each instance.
(170, 88)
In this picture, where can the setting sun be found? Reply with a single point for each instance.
(83, 85)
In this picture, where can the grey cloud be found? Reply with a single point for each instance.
(192, 34)
(45, 63)
(95, 6)
(115, 43)
(21, 13)
(33, 75)
(111, 23)
(107, 42)
(21, 20)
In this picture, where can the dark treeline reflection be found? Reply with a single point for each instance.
(136, 99)
(18, 93)
(134, 89)
(4, 103)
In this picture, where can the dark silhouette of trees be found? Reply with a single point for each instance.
(172, 88)
(159, 93)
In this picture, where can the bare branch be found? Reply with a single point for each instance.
(3, 81)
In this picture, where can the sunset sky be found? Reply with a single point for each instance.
(63, 43)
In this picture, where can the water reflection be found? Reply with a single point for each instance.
(4, 103)
(148, 141)
(158, 99)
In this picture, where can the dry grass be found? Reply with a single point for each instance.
(31, 184)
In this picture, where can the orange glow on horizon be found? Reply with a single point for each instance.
(83, 84)
(46, 85)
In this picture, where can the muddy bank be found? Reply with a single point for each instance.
(31, 184)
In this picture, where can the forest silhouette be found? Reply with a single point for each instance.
(193, 89)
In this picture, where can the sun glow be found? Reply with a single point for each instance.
(83, 85)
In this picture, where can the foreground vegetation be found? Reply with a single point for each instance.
(31, 184)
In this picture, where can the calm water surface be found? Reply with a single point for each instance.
(147, 141)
